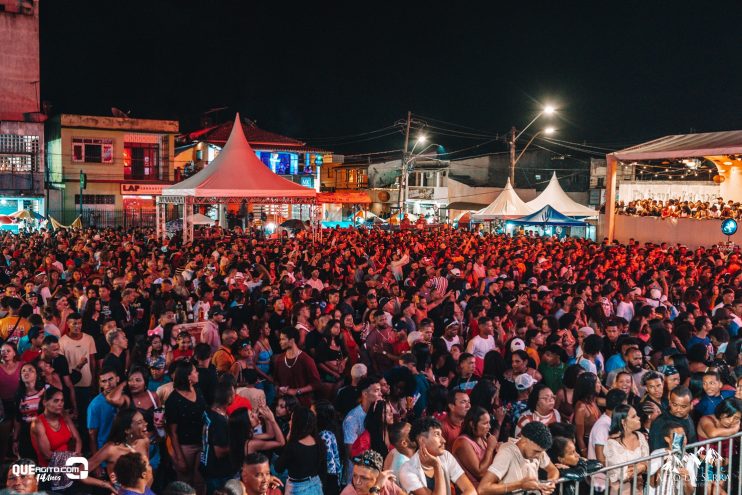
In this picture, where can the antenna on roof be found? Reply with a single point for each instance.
(120, 113)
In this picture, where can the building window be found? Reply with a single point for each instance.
(92, 150)
(96, 199)
(141, 161)
(18, 153)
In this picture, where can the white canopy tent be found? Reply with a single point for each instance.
(236, 174)
(555, 197)
(201, 219)
(506, 205)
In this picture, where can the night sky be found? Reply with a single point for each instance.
(619, 72)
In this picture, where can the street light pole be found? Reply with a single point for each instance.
(403, 176)
(548, 110)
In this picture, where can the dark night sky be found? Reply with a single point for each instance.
(620, 72)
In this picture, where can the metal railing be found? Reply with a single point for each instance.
(129, 218)
(720, 466)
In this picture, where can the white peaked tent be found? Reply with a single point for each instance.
(201, 219)
(506, 205)
(236, 174)
(555, 197)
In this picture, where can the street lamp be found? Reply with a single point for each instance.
(547, 110)
(407, 159)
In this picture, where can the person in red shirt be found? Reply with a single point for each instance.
(458, 405)
(295, 371)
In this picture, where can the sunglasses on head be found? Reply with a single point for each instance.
(365, 461)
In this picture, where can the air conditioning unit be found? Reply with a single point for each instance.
(25, 7)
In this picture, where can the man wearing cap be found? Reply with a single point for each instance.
(517, 463)
(210, 331)
(314, 282)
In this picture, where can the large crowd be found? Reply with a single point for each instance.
(370, 362)
(679, 208)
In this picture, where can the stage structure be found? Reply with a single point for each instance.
(723, 149)
(235, 175)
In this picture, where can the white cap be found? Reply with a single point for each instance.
(517, 345)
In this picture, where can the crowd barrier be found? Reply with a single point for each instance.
(715, 470)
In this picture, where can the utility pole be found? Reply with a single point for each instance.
(511, 142)
(404, 178)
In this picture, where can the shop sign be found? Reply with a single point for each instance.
(142, 189)
(347, 197)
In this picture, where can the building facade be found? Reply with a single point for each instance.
(22, 162)
(126, 163)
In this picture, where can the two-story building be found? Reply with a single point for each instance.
(21, 120)
(126, 162)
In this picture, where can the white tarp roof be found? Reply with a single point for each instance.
(506, 205)
(238, 172)
(555, 197)
(685, 146)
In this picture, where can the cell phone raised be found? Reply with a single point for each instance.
(677, 442)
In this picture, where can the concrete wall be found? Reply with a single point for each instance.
(19, 57)
(692, 233)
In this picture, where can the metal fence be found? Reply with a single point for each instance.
(719, 471)
(129, 218)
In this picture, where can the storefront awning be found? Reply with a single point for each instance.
(352, 197)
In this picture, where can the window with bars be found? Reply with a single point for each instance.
(92, 150)
(18, 153)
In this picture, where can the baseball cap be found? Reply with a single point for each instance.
(456, 272)
(217, 311)
(517, 345)
(544, 288)
(524, 382)
(157, 363)
(533, 281)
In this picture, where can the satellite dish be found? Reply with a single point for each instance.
(117, 112)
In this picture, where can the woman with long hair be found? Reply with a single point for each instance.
(723, 423)
(53, 431)
(242, 437)
(128, 434)
(376, 435)
(565, 395)
(476, 447)
(331, 433)
(28, 400)
(303, 455)
(134, 393)
(184, 412)
(10, 378)
(263, 358)
(586, 409)
(332, 355)
(625, 443)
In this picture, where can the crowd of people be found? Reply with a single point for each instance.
(372, 362)
(679, 208)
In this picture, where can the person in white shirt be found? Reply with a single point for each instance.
(599, 431)
(483, 343)
(677, 472)
(625, 307)
(314, 282)
(432, 469)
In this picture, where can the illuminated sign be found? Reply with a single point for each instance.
(306, 181)
(142, 189)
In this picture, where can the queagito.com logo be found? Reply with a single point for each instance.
(75, 468)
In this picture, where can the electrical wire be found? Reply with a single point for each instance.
(334, 138)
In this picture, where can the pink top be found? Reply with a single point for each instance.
(9, 382)
(479, 451)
